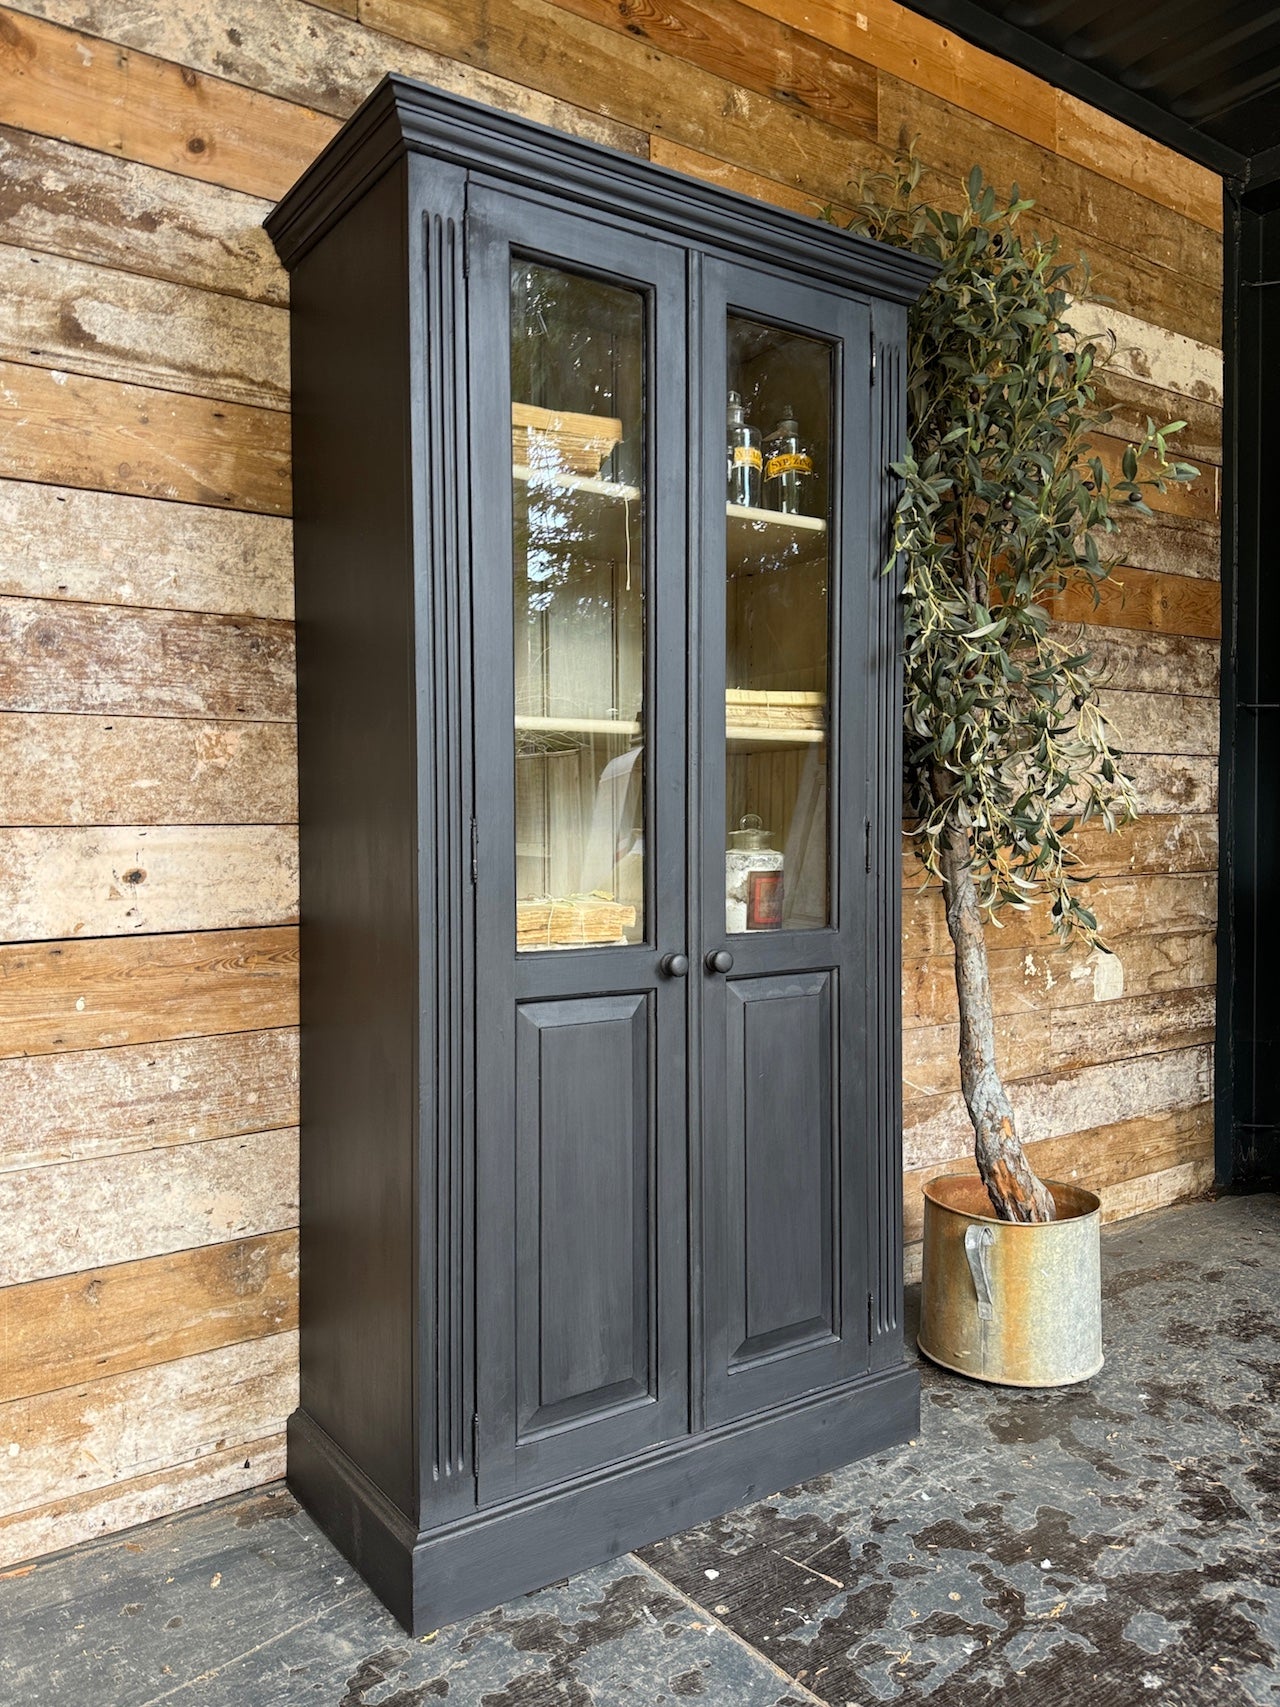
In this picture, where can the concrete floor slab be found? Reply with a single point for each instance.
(1114, 1543)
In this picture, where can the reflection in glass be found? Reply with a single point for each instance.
(777, 666)
(577, 396)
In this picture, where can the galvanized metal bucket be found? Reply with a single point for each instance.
(1006, 1301)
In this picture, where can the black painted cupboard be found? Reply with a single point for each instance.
(599, 750)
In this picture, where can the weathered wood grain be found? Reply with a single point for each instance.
(1161, 722)
(1159, 843)
(1156, 1191)
(102, 548)
(1154, 353)
(82, 318)
(664, 152)
(1133, 660)
(297, 53)
(627, 80)
(73, 1216)
(65, 770)
(70, 430)
(66, 200)
(1062, 1039)
(94, 1102)
(937, 1129)
(65, 84)
(1193, 500)
(1133, 401)
(751, 49)
(1146, 599)
(77, 1328)
(928, 55)
(75, 1517)
(1169, 783)
(107, 660)
(123, 1426)
(1173, 545)
(113, 991)
(112, 881)
(1124, 906)
(1105, 1156)
(1047, 979)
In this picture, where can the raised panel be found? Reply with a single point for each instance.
(584, 1137)
(781, 1162)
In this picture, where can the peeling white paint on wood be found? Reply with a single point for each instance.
(95, 1102)
(1167, 359)
(63, 542)
(112, 881)
(126, 1426)
(71, 1216)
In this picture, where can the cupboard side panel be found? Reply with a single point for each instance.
(359, 994)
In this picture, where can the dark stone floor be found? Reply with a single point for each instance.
(1115, 1543)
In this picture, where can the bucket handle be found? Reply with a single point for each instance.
(977, 1242)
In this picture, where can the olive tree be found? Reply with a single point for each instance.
(1005, 502)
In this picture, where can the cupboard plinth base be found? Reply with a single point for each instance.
(438, 1576)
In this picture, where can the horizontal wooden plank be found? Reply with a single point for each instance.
(69, 770)
(1135, 660)
(114, 991)
(67, 200)
(1170, 783)
(123, 1426)
(1159, 843)
(1153, 353)
(664, 152)
(81, 318)
(1193, 500)
(71, 1216)
(1125, 906)
(76, 1517)
(94, 1102)
(932, 57)
(66, 84)
(1145, 599)
(751, 49)
(108, 660)
(1046, 979)
(1062, 1039)
(1105, 1156)
(102, 548)
(308, 56)
(1161, 722)
(1133, 402)
(1154, 264)
(1174, 545)
(626, 79)
(77, 1328)
(69, 430)
(111, 881)
(937, 1129)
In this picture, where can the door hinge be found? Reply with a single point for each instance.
(475, 854)
(465, 245)
(867, 841)
(871, 1315)
(475, 1440)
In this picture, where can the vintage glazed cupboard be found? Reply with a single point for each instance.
(600, 1180)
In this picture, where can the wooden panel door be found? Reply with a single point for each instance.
(577, 350)
(786, 566)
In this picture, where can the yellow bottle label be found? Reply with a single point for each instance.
(789, 462)
(748, 455)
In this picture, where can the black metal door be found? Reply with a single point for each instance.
(785, 571)
(577, 343)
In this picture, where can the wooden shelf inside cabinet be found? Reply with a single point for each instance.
(766, 539)
(760, 720)
(579, 509)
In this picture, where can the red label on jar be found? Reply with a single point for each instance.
(764, 900)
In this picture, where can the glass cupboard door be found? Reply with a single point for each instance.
(577, 340)
(787, 561)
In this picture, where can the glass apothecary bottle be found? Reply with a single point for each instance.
(744, 456)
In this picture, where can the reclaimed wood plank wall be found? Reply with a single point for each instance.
(148, 1066)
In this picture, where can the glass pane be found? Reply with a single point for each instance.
(577, 451)
(778, 427)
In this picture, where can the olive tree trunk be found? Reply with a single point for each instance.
(1013, 1188)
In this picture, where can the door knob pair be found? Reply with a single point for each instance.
(677, 965)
